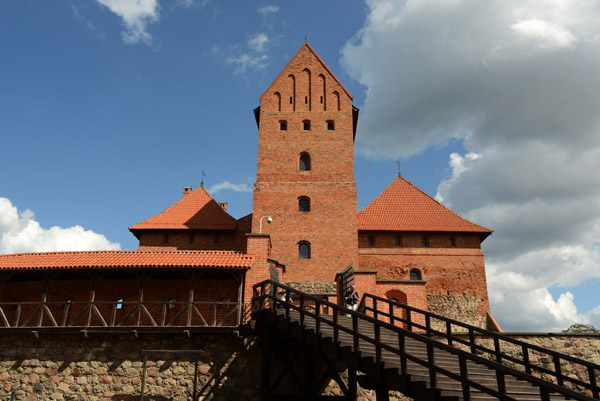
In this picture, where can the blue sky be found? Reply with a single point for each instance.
(108, 108)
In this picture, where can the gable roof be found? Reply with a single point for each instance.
(125, 259)
(404, 207)
(307, 46)
(197, 210)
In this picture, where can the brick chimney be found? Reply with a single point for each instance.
(223, 206)
(187, 191)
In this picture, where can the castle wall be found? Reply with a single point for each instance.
(454, 276)
(210, 240)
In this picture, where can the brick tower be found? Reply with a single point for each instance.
(305, 172)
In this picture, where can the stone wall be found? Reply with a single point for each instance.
(464, 308)
(109, 367)
(581, 346)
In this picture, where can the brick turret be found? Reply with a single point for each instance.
(305, 172)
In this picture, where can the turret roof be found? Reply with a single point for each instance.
(196, 210)
(404, 207)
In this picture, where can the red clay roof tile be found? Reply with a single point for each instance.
(125, 259)
(198, 210)
(404, 207)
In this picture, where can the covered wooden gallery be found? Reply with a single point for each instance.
(122, 290)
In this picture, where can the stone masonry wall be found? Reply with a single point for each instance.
(463, 308)
(582, 346)
(109, 367)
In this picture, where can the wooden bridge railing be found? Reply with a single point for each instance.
(266, 298)
(394, 312)
(119, 314)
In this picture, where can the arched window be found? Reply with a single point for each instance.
(283, 125)
(415, 274)
(304, 250)
(304, 204)
(304, 162)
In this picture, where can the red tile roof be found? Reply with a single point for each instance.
(125, 259)
(198, 210)
(404, 207)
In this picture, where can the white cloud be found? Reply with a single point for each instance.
(247, 61)
(517, 82)
(266, 10)
(20, 232)
(136, 15)
(547, 33)
(258, 42)
(229, 186)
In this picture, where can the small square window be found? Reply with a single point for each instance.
(306, 125)
(330, 126)
(283, 125)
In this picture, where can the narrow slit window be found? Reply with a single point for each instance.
(304, 204)
(166, 238)
(425, 242)
(291, 100)
(306, 99)
(304, 250)
(191, 238)
(371, 241)
(398, 241)
(217, 239)
(321, 99)
(452, 242)
(304, 162)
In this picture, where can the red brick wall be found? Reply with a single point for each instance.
(448, 271)
(387, 239)
(156, 292)
(330, 226)
(198, 239)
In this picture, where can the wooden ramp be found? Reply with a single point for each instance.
(422, 363)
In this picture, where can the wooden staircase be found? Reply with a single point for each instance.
(390, 357)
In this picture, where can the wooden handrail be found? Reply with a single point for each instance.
(265, 299)
(86, 313)
(497, 338)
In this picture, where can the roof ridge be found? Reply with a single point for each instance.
(309, 47)
(439, 203)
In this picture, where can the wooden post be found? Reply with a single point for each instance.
(242, 279)
(44, 297)
(92, 299)
(191, 299)
(352, 386)
(265, 379)
(141, 298)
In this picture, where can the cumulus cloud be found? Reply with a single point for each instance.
(20, 232)
(251, 56)
(266, 10)
(258, 42)
(516, 81)
(226, 185)
(136, 15)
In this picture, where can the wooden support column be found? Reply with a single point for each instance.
(92, 299)
(191, 298)
(141, 298)
(242, 279)
(352, 387)
(265, 375)
(382, 393)
(44, 298)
